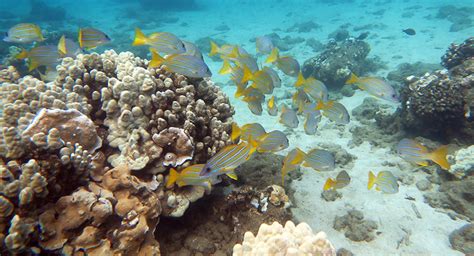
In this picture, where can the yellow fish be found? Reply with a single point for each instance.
(24, 33)
(272, 108)
(286, 64)
(385, 181)
(416, 153)
(188, 65)
(292, 160)
(247, 131)
(189, 176)
(90, 38)
(342, 180)
(163, 42)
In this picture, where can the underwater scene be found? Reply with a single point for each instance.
(226, 127)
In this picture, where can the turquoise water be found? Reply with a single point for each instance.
(411, 221)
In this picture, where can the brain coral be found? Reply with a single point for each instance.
(83, 158)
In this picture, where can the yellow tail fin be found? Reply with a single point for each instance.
(253, 146)
(353, 79)
(300, 81)
(329, 184)
(300, 156)
(226, 68)
(62, 45)
(33, 65)
(371, 180)
(140, 38)
(271, 102)
(156, 59)
(236, 131)
(172, 178)
(274, 55)
(240, 90)
(234, 53)
(22, 55)
(247, 75)
(38, 32)
(79, 38)
(214, 49)
(439, 156)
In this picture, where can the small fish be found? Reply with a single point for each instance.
(409, 31)
(255, 107)
(385, 181)
(163, 42)
(24, 33)
(192, 49)
(320, 160)
(68, 48)
(272, 108)
(288, 117)
(245, 60)
(226, 50)
(264, 44)
(342, 180)
(187, 65)
(247, 131)
(228, 158)
(251, 94)
(273, 141)
(189, 176)
(315, 88)
(416, 153)
(374, 86)
(45, 55)
(262, 81)
(292, 160)
(311, 123)
(334, 111)
(286, 64)
(90, 38)
(299, 100)
(274, 75)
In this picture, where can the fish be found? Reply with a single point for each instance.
(163, 42)
(262, 81)
(286, 64)
(226, 68)
(255, 107)
(342, 180)
(247, 131)
(24, 33)
(273, 141)
(414, 152)
(187, 65)
(90, 38)
(334, 111)
(264, 44)
(226, 50)
(189, 176)
(192, 49)
(292, 160)
(288, 117)
(311, 123)
(68, 48)
(299, 99)
(314, 88)
(375, 87)
(320, 160)
(49, 75)
(274, 75)
(385, 181)
(272, 108)
(251, 94)
(229, 158)
(45, 55)
(409, 31)
(245, 60)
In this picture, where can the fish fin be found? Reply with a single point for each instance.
(253, 146)
(79, 38)
(352, 79)
(226, 68)
(62, 45)
(271, 102)
(172, 177)
(247, 75)
(232, 175)
(273, 56)
(372, 179)
(300, 81)
(38, 32)
(22, 55)
(156, 59)
(300, 156)
(214, 48)
(329, 184)
(240, 91)
(236, 131)
(33, 65)
(234, 53)
(439, 156)
(320, 105)
(140, 38)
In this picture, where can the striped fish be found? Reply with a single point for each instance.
(262, 81)
(272, 108)
(341, 181)
(385, 181)
(273, 141)
(311, 122)
(375, 86)
(24, 33)
(192, 49)
(247, 131)
(226, 51)
(315, 88)
(228, 158)
(255, 107)
(68, 48)
(163, 42)
(189, 176)
(286, 64)
(90, 38)
(334, 111)
(416, 153)
(320, 160)
(288, 117)
(187, 65)
(45, 55)
(274, 75)
(292, 160)
(264, 44)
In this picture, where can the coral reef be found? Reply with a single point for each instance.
(333, 66)
(463, 162)
(457, 54)
(356, 228)
(462, 239)
(288, 240)
(405, 70)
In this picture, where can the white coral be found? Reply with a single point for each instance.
(464, 162)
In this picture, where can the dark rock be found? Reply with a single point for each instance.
(331, 195)
(407, 69)
(462, 239)
(347, 91)
(339, 35)
(355, 227)
(344, 252)
(423, 185)
(199, 244)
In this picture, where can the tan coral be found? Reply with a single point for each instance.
(177, 146)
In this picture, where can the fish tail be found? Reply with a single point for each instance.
(38, 32)
(299, 158)
(247, 75)
(236, 131)
(33, 65)
(79, 39)
(271, 102)
(439, 156)
(320, 105)
(352, 79)
(300, 81)
(172, 177)
(253, 146)
(273, 56)
(371, 180)
(240, 91)
(62, 45)
(22, 55)
(226, 68)
(140, 38)
(156, 59)
(214, 49)
(329, 184)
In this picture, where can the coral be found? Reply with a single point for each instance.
(463, 162)
(458, 53)
(334, 64)
(405, 70)
(356, 228)
(9, 75)
(462, 239)
(289, 240)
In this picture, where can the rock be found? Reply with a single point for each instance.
(462, 239)
(331, 195)
(199, 244)
(355, 227)
(344, 252)
(423, 185)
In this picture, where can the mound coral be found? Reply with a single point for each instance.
(60, 140)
